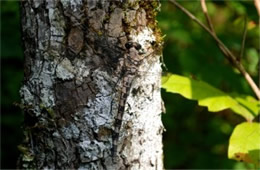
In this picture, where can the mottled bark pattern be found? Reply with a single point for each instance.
(77, 65)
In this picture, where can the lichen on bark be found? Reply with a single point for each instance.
(74, 52)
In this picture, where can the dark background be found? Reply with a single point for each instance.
(194, 137)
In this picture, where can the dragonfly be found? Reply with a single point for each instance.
(124, 61)
(128, 69)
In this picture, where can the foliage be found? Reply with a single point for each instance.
(191, 52)
(211, 97)
(11, 76)
(244, 142)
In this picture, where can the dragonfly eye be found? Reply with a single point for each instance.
(153, 43)
(138, 46)
(129, 45)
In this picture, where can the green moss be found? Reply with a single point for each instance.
(27, 155)
(132, 4)
(49, 110)
(42, 106)
(152, 9)
(99, 33)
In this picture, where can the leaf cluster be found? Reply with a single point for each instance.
(191, 52)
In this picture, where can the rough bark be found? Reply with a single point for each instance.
(74, 52)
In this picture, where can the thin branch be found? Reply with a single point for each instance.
(223, 48)
(205, 11)
(244, 39)
(257, 5)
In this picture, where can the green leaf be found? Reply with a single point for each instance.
(244, 143)
(248, 103)
(207, 95)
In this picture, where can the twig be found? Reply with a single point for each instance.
(244, 39)
(223, 48)
(205, 11)
(257, 5)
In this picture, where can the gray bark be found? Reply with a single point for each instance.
(74, 52)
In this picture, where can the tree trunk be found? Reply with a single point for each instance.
(91, 92)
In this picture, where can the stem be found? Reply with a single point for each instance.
(257, 5)
(223, 48)
(244, 39)
(205, 11)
